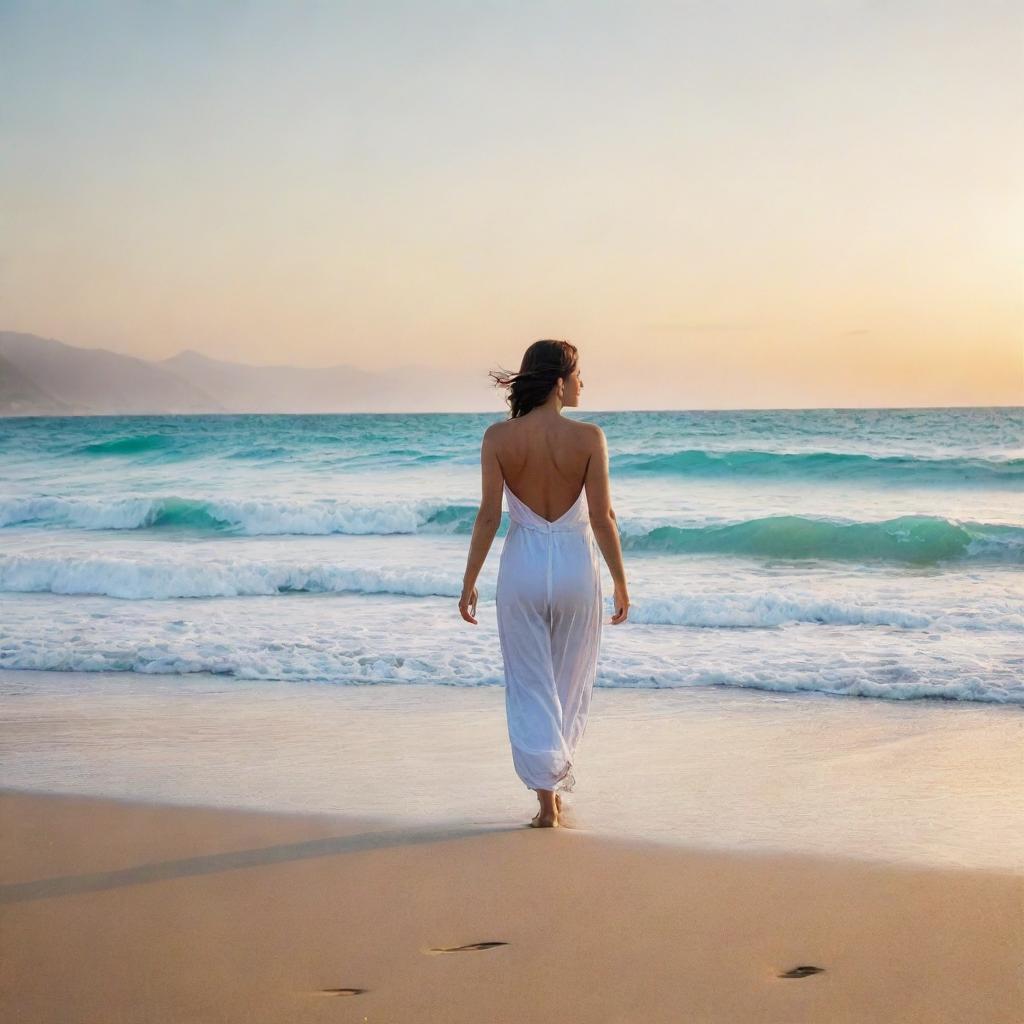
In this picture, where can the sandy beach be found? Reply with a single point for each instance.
(123, 911)
(195, 849)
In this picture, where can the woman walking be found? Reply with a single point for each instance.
(553, 471)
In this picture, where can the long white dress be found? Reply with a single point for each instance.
(549, 608)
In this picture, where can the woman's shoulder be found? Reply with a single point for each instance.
(586, 432)
(591, 431)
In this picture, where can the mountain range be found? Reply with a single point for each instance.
(45, 377)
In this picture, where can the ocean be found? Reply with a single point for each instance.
(824, 651)
(873, 553)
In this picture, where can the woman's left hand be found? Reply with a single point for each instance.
(467, 604)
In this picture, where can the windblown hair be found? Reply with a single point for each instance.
(543, 363)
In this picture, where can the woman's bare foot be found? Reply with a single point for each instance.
(547, 817)
(542, 820)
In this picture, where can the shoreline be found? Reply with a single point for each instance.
(936, 700)
(136, 911)
(703, 768)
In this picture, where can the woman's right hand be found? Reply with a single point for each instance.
(620, 601)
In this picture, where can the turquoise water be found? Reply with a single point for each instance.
(875, 553)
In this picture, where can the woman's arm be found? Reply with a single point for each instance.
(603, 522)
(488, 519)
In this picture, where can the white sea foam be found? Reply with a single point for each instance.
(151, 577)
(365, 639)
(247, 516)
(905, 539)
(160, 579)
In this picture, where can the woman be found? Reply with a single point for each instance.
(554, 474)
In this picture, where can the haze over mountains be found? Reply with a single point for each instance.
(45, 377)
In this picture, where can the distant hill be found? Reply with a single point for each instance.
(88, 381)
(18, 395)
(42, 377)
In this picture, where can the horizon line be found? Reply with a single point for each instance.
(487, 412)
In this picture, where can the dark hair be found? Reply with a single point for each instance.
(543, 363)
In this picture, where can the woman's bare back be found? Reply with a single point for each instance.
(544, 460)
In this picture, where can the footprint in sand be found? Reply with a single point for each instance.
(803, 971)
(462, 949)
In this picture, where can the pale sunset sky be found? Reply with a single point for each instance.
(723, 204)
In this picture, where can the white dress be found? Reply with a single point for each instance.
(549, 605)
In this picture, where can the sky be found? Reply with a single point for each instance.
(723, 205)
